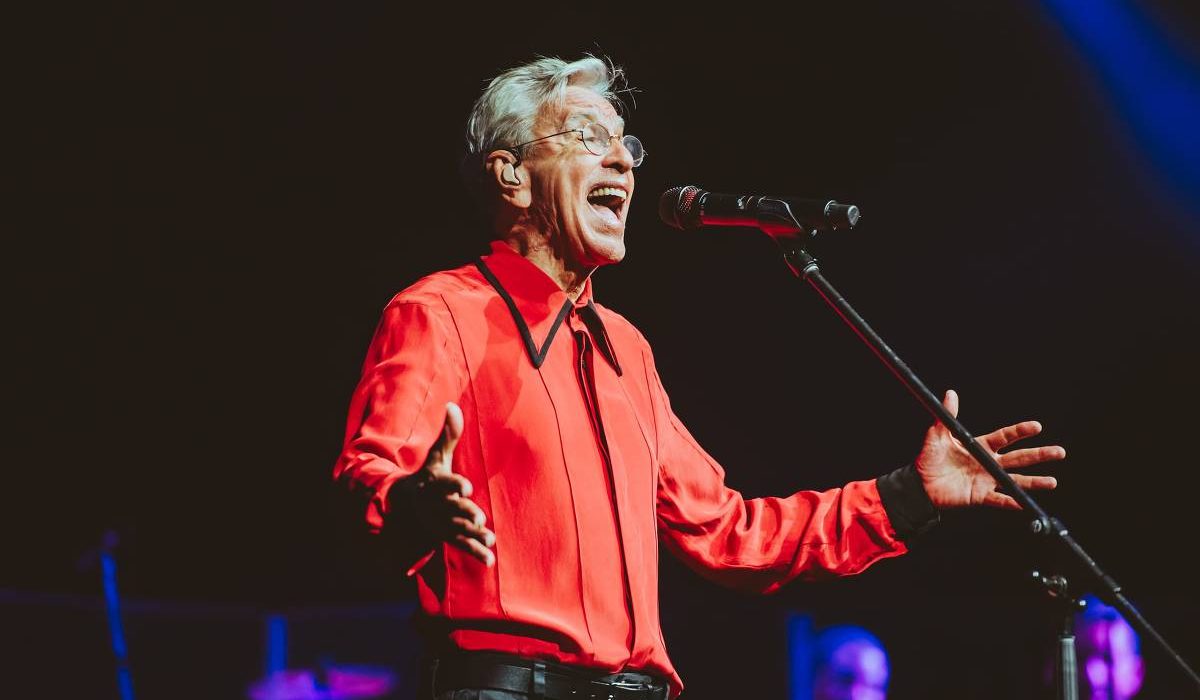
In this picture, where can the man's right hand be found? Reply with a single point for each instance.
(441, 500)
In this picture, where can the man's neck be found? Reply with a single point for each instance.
(571, 279)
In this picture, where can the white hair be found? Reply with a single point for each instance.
(505, 114)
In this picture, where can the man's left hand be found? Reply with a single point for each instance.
(953, 478)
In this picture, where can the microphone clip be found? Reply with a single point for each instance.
(776, 219)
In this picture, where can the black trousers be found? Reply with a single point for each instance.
(479, 694)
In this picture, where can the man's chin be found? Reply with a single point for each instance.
(607, 249)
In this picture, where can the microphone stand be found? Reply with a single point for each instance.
(1066, 667)
(805, 267)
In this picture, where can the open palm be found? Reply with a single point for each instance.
(954, 479)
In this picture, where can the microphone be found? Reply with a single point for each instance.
(690, 207)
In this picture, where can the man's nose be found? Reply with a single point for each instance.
(619, 158)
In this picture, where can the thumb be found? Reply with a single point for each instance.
(950, 401)
(443, 450)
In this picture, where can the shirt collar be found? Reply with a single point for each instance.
(538, 305)
(535, 292)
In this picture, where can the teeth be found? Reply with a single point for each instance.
(607, 192)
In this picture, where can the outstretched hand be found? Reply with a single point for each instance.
(954, 479)
(441, 499)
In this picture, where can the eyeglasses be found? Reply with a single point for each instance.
(596, 139)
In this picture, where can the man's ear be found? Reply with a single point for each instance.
(510, 178)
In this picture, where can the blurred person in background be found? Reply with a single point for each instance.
(850, 663)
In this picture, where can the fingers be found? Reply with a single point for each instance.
(465, 528)
(950, 401)
(450, 484)
(462, 526)
(442, 452)
(1035, 483)
(469, 534)
(459, 507)
(996, 499)
(454, 423)
(464, 516)
(999, 439)
(474, 539)
(1030, 456)
(475, 548)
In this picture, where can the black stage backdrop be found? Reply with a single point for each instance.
(222, 201)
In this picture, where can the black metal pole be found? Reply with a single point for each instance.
(1066, 666)
(805, 267)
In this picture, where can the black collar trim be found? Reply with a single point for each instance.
(589, 314)
(591, 319)
(537, 357)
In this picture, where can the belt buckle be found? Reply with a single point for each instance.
(606, 690)
(629, 685)
(642, 689)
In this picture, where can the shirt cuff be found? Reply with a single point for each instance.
(906, 503)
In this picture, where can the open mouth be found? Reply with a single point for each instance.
(607, 201)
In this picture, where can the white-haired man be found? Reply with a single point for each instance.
(516, 436)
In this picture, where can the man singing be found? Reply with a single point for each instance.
(512, 435)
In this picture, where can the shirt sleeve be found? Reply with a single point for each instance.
(762, 543)
(396, 414)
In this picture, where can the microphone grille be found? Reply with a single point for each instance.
(676, 207)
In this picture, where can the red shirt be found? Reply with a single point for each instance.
(581, 468)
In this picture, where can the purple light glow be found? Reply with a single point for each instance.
(1108, 651)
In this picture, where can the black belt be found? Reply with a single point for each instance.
(540, 679)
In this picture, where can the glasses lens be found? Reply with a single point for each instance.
(634, 146)
(596, 139)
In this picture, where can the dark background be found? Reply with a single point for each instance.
(221, 202)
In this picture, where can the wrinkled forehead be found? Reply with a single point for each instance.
(583, 106)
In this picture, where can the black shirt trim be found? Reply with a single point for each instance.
(536, 356)
(589, 313)
(591, 318)
(906, 503)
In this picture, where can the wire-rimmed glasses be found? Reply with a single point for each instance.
(597, 139)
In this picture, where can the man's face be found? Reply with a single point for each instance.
(578, 198)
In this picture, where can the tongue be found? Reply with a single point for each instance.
(609, 216)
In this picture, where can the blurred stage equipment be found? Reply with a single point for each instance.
(105, 555)
(324, 683)
(327, 681)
